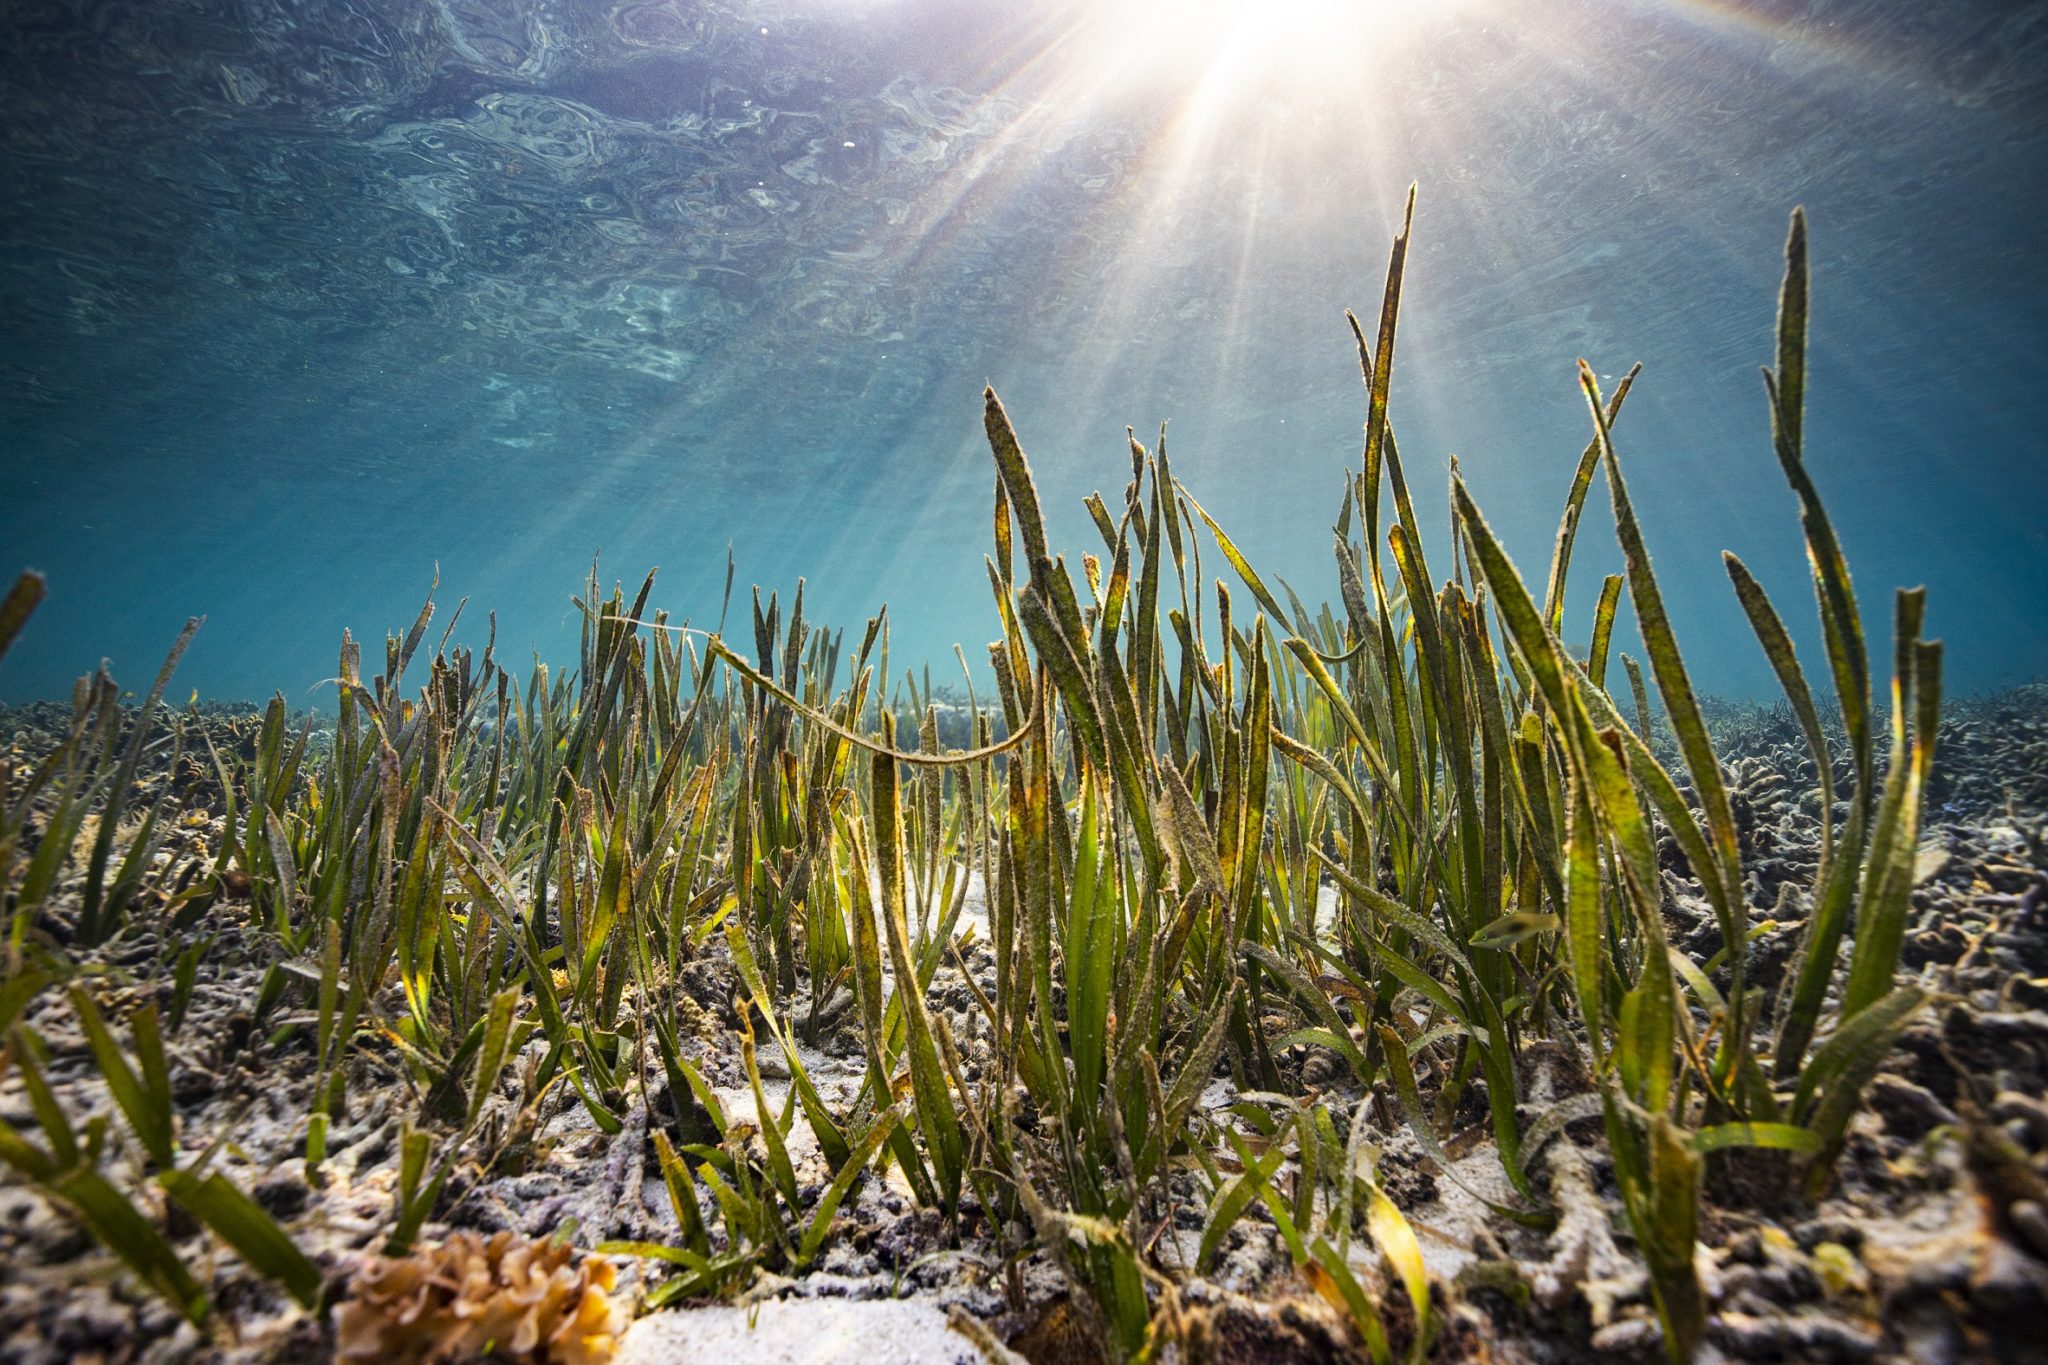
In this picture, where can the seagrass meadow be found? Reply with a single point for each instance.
(1390, 980)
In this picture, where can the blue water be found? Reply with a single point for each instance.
(298, 301)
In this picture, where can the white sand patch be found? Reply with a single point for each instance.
(799, 1332)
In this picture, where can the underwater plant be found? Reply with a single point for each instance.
(1118, 864)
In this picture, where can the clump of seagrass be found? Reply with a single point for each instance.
(509, 1297)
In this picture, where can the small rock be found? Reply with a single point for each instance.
(1782, 1284)
(282, 1193)
(2030, 993)
(52, 1237)
(181, 1344)
(1798, 1336)
(1845, 1232)
(2007, 1282)
(1908, 1110)
(1630, 1336)
(2031, 1222)
(2029, 1110)
(192, 1084)
(92, 1321)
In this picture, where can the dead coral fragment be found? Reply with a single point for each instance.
(1585, 1260)
(514, 1298)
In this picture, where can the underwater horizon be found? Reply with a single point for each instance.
(302, 303)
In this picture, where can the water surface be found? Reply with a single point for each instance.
(299, 301)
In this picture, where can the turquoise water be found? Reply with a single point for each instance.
(299, 301)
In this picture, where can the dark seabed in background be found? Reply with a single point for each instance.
(298, 301)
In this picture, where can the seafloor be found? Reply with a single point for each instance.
(1904, 1260)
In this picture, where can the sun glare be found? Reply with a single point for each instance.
(1300, 39)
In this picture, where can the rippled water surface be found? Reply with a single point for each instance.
(299, 300)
